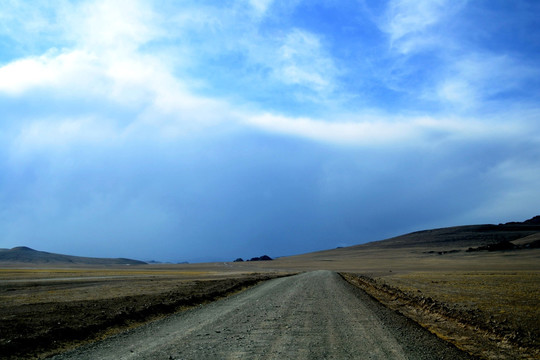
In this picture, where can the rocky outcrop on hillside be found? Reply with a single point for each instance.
(261, 258)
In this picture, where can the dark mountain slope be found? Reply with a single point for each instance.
(23, 254)
(445, 240)
(462, 237)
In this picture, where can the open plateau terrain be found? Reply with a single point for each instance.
(475, 287)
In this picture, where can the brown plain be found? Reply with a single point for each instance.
(485, 302)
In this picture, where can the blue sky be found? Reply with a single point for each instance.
(210, 130)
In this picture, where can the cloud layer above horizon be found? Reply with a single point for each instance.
(208, 130)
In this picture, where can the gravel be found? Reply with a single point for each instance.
(315, 315)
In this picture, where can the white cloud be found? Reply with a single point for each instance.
(303, 61)
(18, 76)
(22, 21)
(473, 79)
(372, 130)
(59, 133)
(55, 71)
(458, 92)
(407, 22)
(112, 25)
(129, 78)
(107, 62)
(168, 109)
(261, 6)
(117, 89)
(412, 16)
(464, 77)
(162, 103)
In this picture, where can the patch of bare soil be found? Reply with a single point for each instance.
(473, 331)
(36, 330)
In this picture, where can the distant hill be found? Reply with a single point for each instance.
(23, 254)
(463, 237)
(521, 235)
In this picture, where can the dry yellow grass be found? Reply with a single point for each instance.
(510, 299)
(43, 310)
(497, 292)
(42, 285)
(500, 290)
(41, 273)
(469, 310)
(492, 292)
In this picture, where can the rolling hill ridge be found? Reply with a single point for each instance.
(489, 237)
(23, 254)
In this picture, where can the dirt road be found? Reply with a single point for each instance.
(315, 315)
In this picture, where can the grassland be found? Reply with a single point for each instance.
(503, 297)
(485, 302)
(46, 310)
(490, 315)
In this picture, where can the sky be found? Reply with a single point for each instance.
(210, 130)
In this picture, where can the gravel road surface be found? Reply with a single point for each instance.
(315, 315)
